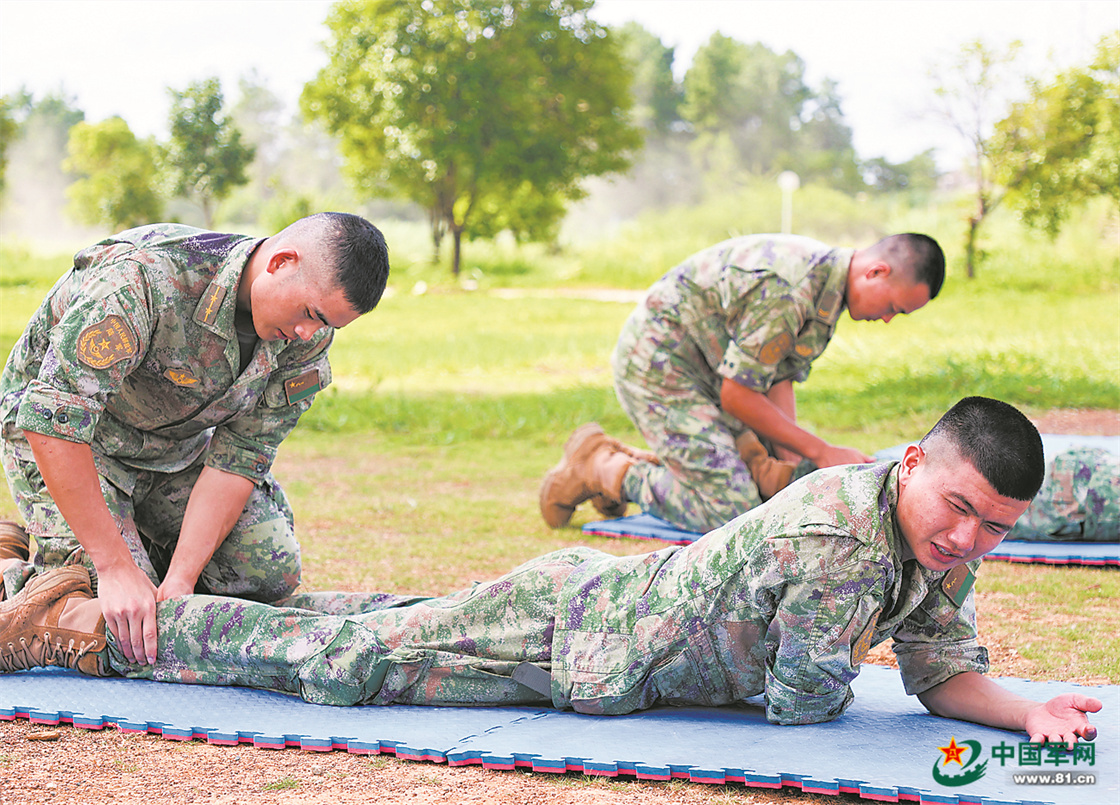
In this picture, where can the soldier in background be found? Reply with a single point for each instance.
(785, 600)
(705, 368)
(141, 409)
(1079, 500)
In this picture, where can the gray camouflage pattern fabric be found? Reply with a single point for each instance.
(758, 310)
(785, 601)
(1079, 500)
(134, 352)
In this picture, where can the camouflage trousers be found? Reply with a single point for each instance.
(1079, 499)
(259, 559)
(361, 648)
(702, 481)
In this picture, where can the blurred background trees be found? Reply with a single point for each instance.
(118, 182)
(486, 115)
(486, 119)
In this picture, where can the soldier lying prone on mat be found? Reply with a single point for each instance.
(784, 600)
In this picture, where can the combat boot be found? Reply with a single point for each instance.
(593, 465)
(617, 508)
(770, 475)
(54, 620)
(14, 543)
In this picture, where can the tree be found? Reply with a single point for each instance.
(967, 98)
(1061, 147)
(822, 145)
(751, 109)
(748, 97)
(460, 105)
(205, 156)
(9, 128)
(657, 94)
(119, 177)
(916, 175)
(35, 183)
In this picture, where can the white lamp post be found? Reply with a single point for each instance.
(788, 181)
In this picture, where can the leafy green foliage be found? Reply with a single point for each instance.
(1061, 147)
(657, 94)
(750, 109)
(205, 155)
(916, 176)
(118, 180)
(461, 105)
(8, 129)
(967, 96)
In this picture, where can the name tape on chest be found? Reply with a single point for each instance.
(107, 342)
(302, 387)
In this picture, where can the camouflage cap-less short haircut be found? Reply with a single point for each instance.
(919, 255)
(354, 254)
(998, 441)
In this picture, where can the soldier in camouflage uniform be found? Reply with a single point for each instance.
(708, 360)
(1079, 501)
(785, 600)
(142, 408)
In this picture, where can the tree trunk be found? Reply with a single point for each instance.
(457, 235)
(970, 245)
(435, 221)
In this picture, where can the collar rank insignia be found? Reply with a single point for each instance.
(957, 584)
(302, 387)
(829, 304)
(207, 310)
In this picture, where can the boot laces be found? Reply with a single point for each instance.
(41, 652)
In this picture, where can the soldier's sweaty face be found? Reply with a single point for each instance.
(287, 307)
(949, 513)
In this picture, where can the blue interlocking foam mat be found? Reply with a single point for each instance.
(885, 748)
(1096, 554)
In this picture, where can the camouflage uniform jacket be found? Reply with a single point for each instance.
(134, 352)
(757, 310)
(786, 599)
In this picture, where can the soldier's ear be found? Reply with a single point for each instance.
(282, 258)
(913, 456)
(878, 269)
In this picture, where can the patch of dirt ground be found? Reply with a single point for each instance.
(77, 766)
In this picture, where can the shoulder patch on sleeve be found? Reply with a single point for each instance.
(775, 349)
(107, 342)
(863, 644)
(957, 584)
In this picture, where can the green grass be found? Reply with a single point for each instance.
(417, 470)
